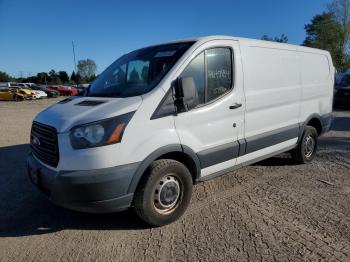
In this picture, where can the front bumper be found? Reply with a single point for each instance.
(28, 97)
(94, 191)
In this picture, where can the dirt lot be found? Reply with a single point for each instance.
(274, 210)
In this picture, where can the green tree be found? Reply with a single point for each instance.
(324, 32)
(54, 77)
(52, 73)
(4, 77)
(79, 79)
(282, 39)
(341, 12)
(73, 77)
(42, 78)
(63, 76)
(87, 68)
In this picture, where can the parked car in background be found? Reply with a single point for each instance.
(342, 91)
(38, 94)
(82, 87)
(64, 91)
(72, 90)
(13, 94)
(49, 92)
(19, 85)
(30, 84)
(4, 84)
(28, 94)
(8, 84)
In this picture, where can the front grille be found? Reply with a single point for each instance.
(43, 141)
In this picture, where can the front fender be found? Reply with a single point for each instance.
(157, 154)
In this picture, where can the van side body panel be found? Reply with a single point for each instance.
(285, 87)
(317, 81)
(272, 87)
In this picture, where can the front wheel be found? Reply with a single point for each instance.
(307, 146)
(17, 98)
(164, 193)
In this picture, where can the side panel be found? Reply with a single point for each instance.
(272, 87)
(317, 77)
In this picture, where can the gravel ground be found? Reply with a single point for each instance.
(274, 210)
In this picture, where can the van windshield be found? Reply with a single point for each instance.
(138, 72)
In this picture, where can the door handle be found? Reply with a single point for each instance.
(235, 105)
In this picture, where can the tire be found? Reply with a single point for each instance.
(17, 98)
(163, 193)
(305, 152)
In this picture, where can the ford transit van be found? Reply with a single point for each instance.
(163, 118)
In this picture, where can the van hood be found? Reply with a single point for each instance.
(81, 110)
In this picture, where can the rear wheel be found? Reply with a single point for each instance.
(164, 194)
(307, 146)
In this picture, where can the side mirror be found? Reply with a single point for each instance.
(186, 94)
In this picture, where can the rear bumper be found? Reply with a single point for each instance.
(94, 191)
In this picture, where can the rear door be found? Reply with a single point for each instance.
(212, 128)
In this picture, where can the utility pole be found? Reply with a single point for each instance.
(75, 62)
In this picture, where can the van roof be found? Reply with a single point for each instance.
(249, 41)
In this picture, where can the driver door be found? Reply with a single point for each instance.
(213, 127)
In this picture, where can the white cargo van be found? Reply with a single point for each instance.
(163, 118)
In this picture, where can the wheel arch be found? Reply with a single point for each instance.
(314, 120)
(177, 152)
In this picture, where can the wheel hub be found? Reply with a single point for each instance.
(167, 194)
(309, 146)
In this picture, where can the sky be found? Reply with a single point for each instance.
(36, 35)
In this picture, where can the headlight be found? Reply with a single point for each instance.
(100, 133)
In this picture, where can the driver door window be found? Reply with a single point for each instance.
(211, 73)
(219, 69)
(195, 72)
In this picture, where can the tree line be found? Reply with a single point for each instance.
(86, 73)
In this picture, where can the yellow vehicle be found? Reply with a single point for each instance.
(28, 94)
(14, 94)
